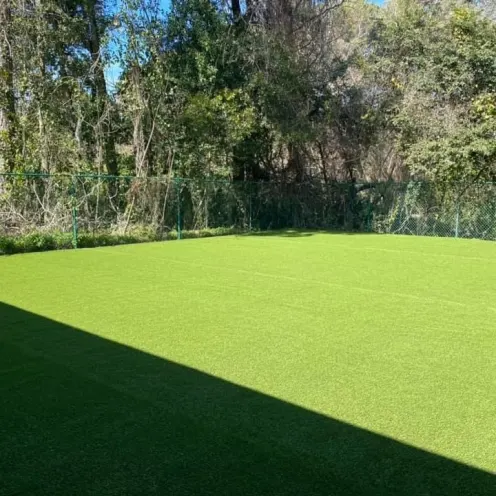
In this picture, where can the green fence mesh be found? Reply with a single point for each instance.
(82, 207)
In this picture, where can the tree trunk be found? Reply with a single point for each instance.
(295, 163)
(43, 143)
(249, 8)
(139, 145)
(40, 93)
(236, 9)
(7, 101)
(105, 152)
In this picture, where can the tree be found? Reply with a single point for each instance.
(286, 90)
(440, 64)
(7, 101)
(95, 25)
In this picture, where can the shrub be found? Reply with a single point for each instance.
(46, 241)
(7, 245)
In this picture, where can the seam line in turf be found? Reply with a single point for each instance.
(302, 280)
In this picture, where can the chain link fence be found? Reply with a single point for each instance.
(89, 210)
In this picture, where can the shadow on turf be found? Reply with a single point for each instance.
(83, 415)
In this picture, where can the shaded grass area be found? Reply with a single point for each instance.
(250, 365)
(84, 415)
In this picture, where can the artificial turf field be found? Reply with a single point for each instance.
(293, 363)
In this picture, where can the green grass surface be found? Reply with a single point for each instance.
(281, 364)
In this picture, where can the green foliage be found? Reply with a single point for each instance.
(38, 241)
(286, 94)
(197, 35)
(440, 61)
(468, 154)
(231, 114)
(48, 241)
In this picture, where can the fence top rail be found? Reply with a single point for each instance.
(362, 184)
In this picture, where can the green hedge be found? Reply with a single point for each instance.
(47, 241)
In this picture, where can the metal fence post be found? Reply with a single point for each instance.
(178, 194)
(370, 217)
(457, 219)
(74, 213)
(250, 192)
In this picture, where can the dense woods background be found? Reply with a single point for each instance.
(286, 90)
